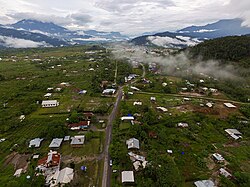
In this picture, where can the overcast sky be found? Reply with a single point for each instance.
(126, 16)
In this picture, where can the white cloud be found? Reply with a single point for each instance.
(20, 43)
(127, 16)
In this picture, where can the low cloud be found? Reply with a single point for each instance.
(20, 43)
(177, 65)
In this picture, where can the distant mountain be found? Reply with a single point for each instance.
(194, 34)
(166, 39)
(39, 26)
(19, 38)
(226, 27)
(72, 37)
(33, 33)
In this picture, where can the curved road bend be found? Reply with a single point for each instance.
(107, 170)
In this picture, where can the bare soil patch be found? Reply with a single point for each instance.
(18, 160)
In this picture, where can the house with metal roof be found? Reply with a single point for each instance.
(108, 91)
(50, 103)
(204, 183)
(234, 133)
(127, 118)
(56, 143)
(77, 141)
(79, 126)
(218, 158)
(229, 105)
(225, 173)
(35, 142)
(128, 177)
(133, 143)
(61, 177)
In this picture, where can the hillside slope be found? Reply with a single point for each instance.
(231, 48)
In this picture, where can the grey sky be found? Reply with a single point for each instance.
(126, 16)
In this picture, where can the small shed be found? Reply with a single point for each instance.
(152, 99)
(137, 103)
(66, 138)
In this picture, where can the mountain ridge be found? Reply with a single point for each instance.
(195, 34)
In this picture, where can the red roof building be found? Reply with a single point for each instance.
(53, 159)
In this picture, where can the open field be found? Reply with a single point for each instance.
(26, 76)
(192, 147)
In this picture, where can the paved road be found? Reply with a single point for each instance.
(107, 170)
(144, 70)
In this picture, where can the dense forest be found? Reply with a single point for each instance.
(231, 48)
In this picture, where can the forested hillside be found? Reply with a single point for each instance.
(231, 48)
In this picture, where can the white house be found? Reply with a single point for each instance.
(170, 151)
(48, 95)
(22, 117)
(229, 105)
(58, 89)
(50, 103)
(128, 177)
(186, 99)
(127, 118)
(133, 143)
(137, 103)
(152, 99)
(56, 143)
(182, 125)
(109, 91)
(210, 105)
(164, 84)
